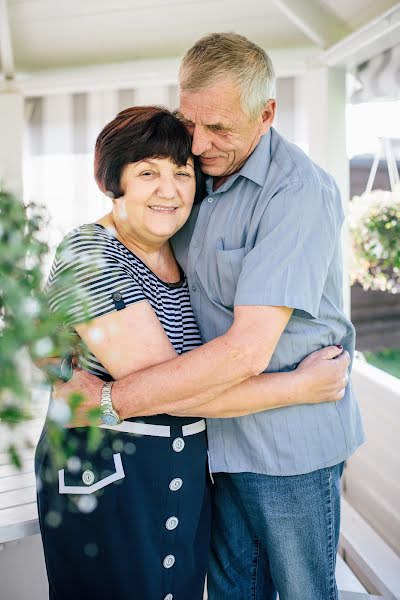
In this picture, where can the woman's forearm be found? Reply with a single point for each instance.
(259, 393)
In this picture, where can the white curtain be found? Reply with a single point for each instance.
(61, 131)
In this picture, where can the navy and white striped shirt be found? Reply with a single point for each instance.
(92, 269)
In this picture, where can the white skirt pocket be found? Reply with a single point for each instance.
(88, 478)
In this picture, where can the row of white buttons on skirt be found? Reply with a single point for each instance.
(172, 523)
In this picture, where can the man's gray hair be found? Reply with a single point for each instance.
(220, 55)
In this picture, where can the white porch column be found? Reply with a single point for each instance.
(11, 140)
(320, 128)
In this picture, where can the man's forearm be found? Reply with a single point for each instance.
(256, 394)
(196, 377)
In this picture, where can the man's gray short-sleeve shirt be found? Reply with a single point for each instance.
(270, 235)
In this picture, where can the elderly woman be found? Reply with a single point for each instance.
(132, 518)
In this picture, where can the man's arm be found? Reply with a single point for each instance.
(287, 267)
(300, 221)
(204, 373)
(197, 376)
(317, 379)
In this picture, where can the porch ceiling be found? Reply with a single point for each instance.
(68, 33)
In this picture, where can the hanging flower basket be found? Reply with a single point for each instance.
(374, 222)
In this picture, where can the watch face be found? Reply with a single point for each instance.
(109, 418)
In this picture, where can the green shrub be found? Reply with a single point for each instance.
(28, 330)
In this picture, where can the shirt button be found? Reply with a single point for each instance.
(178, 444)
(175, 484)
(196, 244)
(117, 296)
(88, 477)
(210, 200)
(172, 523)
(169, 597)
(194, 288)
(169, 561)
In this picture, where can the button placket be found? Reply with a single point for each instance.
(172, 513)
(197, 242)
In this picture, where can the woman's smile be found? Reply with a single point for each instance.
(159, 208)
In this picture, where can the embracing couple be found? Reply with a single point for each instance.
(212, 337)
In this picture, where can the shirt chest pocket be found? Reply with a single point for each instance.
(90, 480)
(228, 266)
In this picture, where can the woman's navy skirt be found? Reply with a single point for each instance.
(130, 520)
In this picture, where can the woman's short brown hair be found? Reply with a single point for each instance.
(138, 133)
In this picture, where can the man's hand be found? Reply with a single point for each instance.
(323, 375)
(89, 388)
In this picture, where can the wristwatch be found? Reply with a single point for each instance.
(108, 414)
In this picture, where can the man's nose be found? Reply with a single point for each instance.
(200, 141)
(167, 187)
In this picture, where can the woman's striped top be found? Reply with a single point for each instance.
(93, 273)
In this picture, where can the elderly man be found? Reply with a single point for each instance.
(262, 258)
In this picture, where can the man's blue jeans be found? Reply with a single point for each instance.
(275, 534)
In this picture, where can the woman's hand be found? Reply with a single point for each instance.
(323, 376)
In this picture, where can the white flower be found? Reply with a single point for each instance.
(74, 464)
(59, 411)
(30, 307)
(43, 347)
(87, 503)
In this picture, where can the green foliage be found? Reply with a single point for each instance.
(29, 331)
(25, 319)
(388, 360)
(375, 230)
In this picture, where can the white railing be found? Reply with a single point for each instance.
(370, 540)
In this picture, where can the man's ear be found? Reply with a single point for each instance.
(268, 115)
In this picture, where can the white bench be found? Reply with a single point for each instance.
(18, 511)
